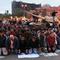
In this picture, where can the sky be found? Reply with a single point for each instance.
(6, 4)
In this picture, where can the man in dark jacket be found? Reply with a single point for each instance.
(3, 44)
(22, 44)
(0, 43)
(41, 41)
(34, 44)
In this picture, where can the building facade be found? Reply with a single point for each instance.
(19, 7)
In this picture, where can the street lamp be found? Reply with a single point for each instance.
(24, 7)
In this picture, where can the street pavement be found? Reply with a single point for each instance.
(42, 56)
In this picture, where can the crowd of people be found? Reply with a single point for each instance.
(18, 38)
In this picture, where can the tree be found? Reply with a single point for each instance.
(45, 23)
